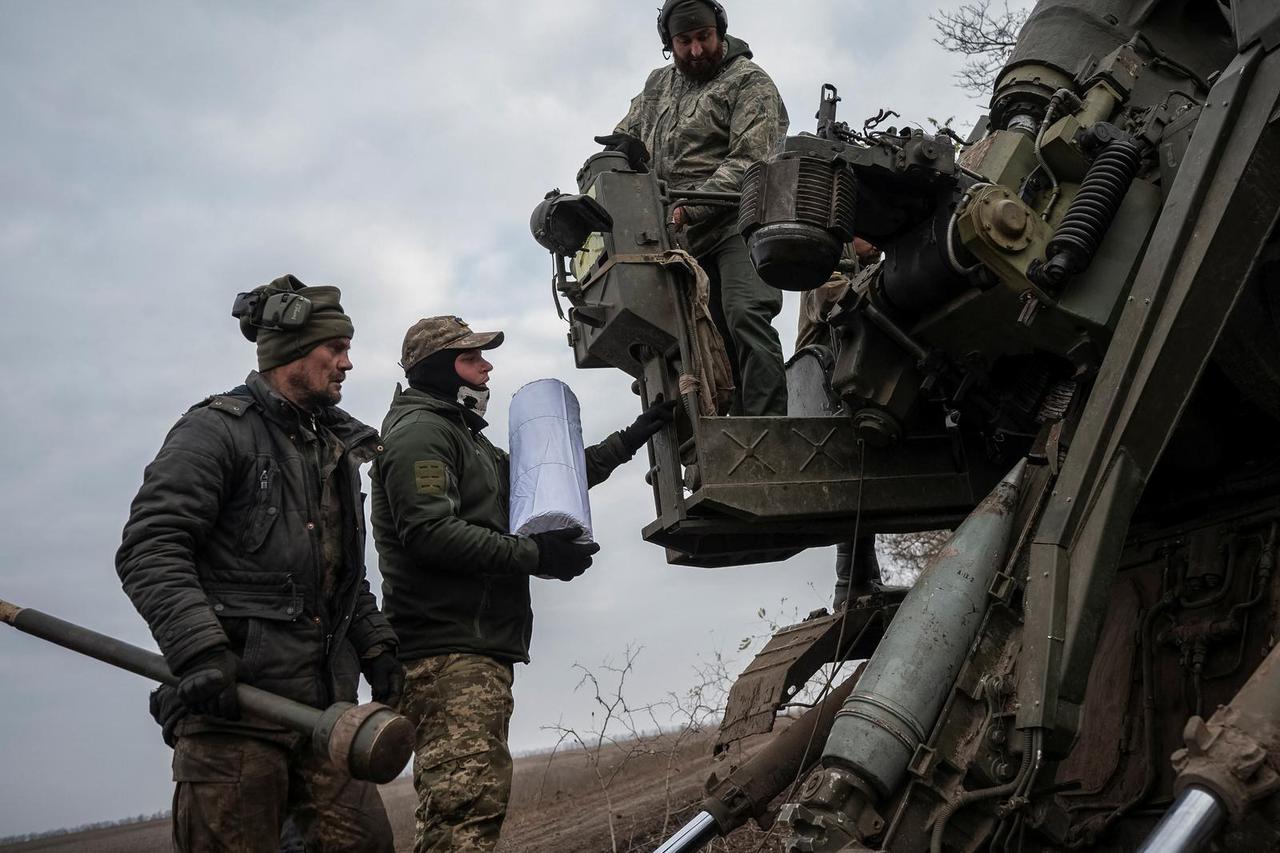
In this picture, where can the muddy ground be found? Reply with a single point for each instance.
(559, 803)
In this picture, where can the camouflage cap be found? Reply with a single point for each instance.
(432, 334)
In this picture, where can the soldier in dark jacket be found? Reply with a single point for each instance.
(456, 582)
(703, 120)
(244, 551)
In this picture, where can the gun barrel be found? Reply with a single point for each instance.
(370, 742)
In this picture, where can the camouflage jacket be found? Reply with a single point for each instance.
(453, 578)
(223, 545)
(703, 136)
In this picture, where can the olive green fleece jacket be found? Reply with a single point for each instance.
(453, 578)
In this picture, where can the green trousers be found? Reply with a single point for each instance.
(743, 307)
(233, 793)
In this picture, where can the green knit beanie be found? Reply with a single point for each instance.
(281, 346)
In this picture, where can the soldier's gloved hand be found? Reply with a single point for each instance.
(385, 675)
(651, 420)
(167, 710)
(559, 556)
(207, 684)
(630, 146)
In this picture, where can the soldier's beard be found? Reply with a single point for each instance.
(309, 393)
(700, 70)
(313, 400)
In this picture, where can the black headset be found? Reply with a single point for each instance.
(281, 309)
(722, 19)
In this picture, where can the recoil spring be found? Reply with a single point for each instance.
(1091, 212)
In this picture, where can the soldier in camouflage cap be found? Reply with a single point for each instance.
(456, 582)
(703, 120)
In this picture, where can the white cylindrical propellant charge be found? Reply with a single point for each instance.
(548, 465)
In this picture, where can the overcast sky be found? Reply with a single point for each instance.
(159, 157)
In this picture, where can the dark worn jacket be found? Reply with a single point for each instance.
(703, 136)
(223, 545)
(453, 578)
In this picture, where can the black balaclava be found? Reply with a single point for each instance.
(435, 375)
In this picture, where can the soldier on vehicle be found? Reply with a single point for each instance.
(703, 120)
(816, 304)
(244, 551)
(456, 582)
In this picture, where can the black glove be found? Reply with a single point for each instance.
(385, 675)
(631, 147)
(647, 425)
(208, 684)
(168, 711)
(559, 556)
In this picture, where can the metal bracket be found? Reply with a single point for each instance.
(922, 762)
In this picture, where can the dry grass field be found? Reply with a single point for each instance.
(557, 805)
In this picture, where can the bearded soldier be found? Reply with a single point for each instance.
(700, 122)
(244, 551)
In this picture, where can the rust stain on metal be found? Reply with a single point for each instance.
(9, 612)
(974, 154)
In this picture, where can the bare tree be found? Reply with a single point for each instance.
(771, 621)
(903, 556)
(983, 34)
(623, 733)
(616, 738)
(690, 714)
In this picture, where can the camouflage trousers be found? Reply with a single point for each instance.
(460, 706)
(234, 792)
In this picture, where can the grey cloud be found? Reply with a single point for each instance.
(160, 157)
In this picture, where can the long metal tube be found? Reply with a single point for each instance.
(1228, 757)
(895, 332)
(692, 836)
(1190, 822)
(704, 196)
(369, 741)
(283, 712)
